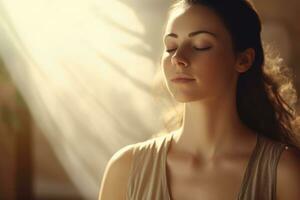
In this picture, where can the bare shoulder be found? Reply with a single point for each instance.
(116, 174)
(288, 174)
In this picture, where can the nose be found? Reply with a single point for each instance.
(179, 60)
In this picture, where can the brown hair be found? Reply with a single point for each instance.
(266, 96)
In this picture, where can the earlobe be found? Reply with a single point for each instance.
(245, 60)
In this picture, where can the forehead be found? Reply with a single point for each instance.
(182, 21)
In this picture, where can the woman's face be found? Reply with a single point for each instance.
(197, 44)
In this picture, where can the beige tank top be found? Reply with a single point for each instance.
(147, 180)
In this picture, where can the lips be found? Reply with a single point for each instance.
(177, 79)
(184, 80)
(182, 77)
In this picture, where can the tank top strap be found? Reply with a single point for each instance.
(145, 180)
(260, 178)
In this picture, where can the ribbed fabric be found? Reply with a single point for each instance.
(147, 179)
(261, 175)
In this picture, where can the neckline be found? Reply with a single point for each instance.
(245, 178)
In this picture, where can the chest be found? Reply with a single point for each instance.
(205, 183)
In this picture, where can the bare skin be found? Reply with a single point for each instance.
(209, 153)
(190, 177)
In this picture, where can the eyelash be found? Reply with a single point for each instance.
(197, 49)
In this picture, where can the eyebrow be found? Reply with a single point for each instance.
(192, 34)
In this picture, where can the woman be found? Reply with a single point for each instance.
(235, 140)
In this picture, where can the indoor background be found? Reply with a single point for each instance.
(76, 85)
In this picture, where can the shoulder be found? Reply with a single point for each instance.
(155, 142)
(118, 168)
(288, 174)
(116, 174)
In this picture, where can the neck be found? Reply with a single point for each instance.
(210, 129)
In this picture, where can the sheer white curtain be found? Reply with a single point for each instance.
(83, 68)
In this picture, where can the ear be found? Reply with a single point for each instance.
(245, 60)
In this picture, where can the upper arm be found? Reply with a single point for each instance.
(116, 173)
(288, 175)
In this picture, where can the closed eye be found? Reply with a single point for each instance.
(197, 49)
(170, 50)
(202, 49)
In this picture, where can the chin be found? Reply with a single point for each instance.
(185, 99)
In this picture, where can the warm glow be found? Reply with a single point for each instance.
(75, 64)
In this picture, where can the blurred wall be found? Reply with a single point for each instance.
(15, 144)
(281, 28)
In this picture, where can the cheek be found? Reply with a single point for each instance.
(166, 65)
(214, 68)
